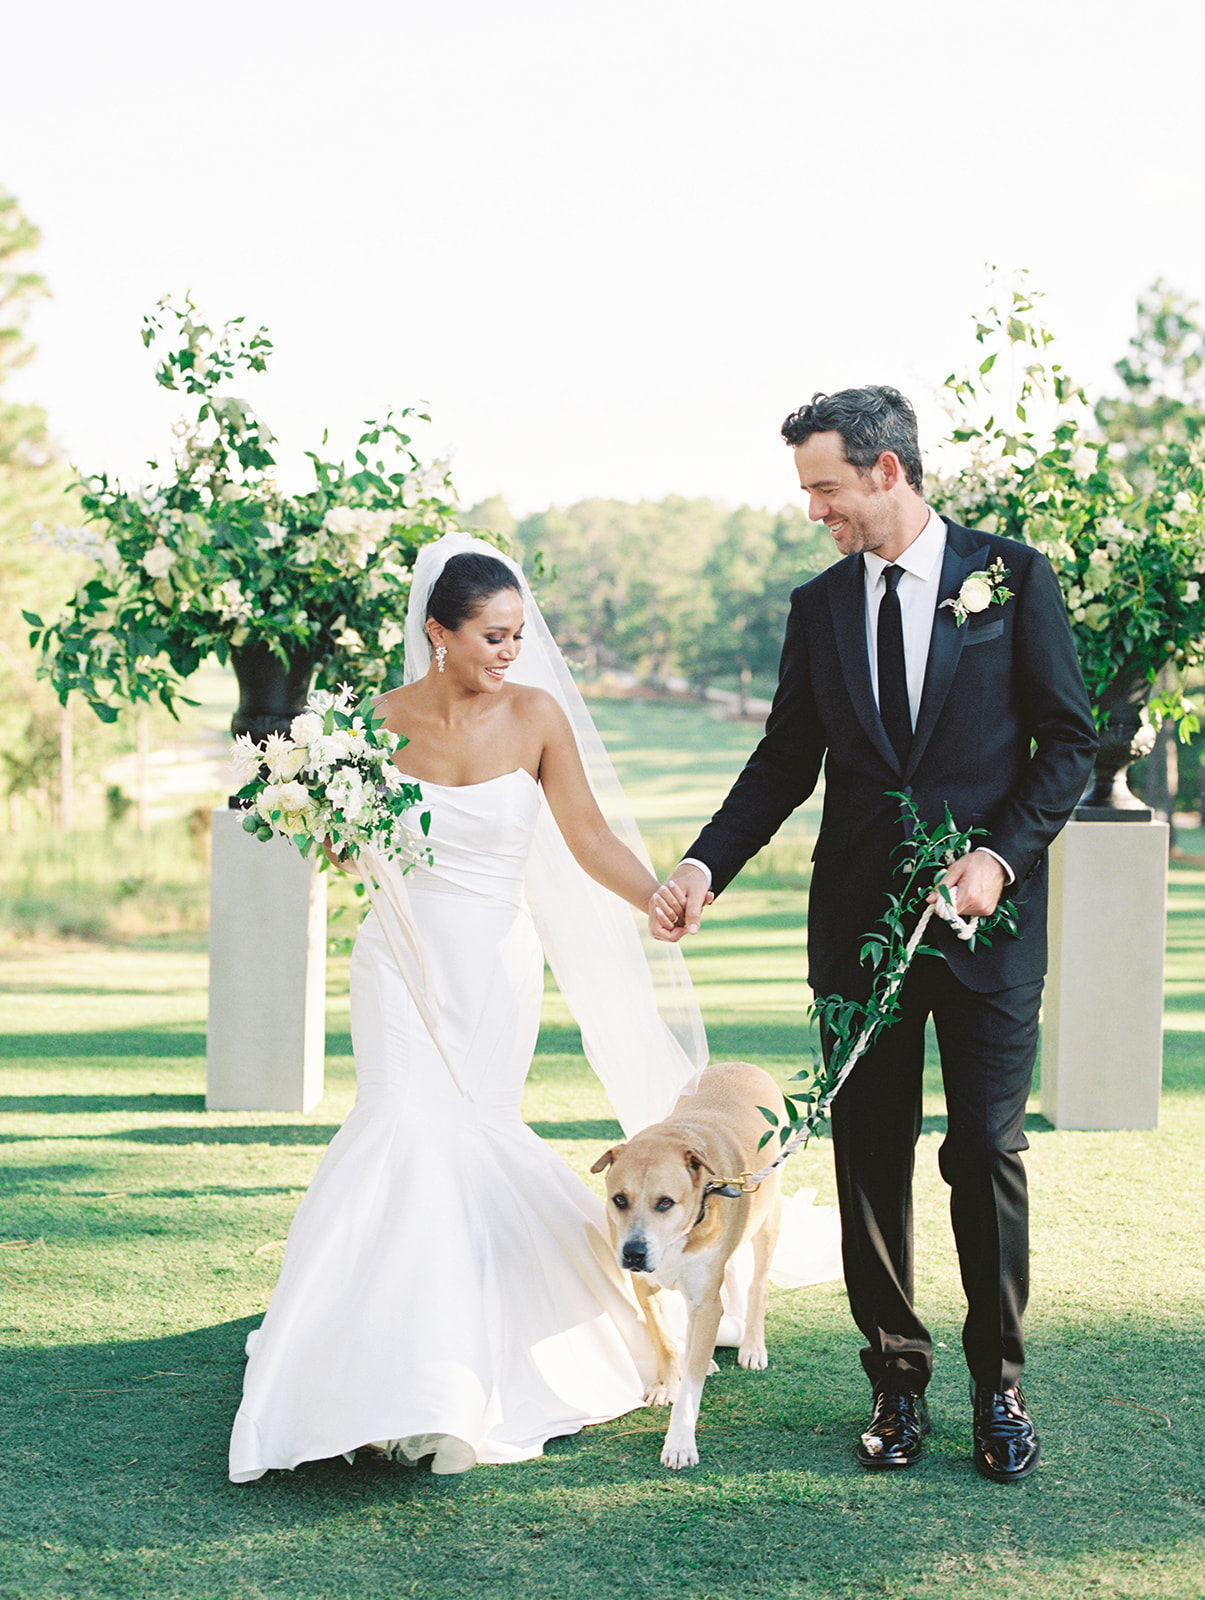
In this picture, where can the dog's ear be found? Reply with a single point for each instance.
(694, 1161)
(606, 1158)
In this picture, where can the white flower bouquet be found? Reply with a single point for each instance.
(331, 781)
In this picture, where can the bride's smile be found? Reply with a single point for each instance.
(482, 649)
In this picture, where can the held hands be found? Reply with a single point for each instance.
(677, 904)
(976, 882)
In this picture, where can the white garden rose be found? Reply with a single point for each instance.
(306, 728)
(296, 812)
(975, 595)
(389, 637)
(157, 560)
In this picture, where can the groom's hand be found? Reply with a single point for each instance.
(677, 904)
(976, 880)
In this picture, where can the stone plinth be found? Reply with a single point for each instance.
(267, 973)
(1102, 1035)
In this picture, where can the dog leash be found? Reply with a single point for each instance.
(748, 1182)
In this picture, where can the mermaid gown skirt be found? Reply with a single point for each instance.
(447, 1287)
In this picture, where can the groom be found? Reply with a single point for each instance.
(883, 685)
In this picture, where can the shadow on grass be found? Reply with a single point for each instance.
(727, 1041)
(600, 1128)
(117, 1452)
(91, 1104)
(157, 1042)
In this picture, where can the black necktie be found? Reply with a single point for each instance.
(893, 675)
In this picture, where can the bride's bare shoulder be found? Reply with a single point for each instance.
(394, 705)
(535, 706)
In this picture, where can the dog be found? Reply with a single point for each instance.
(678, 1211)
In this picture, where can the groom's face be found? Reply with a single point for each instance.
(855, 507)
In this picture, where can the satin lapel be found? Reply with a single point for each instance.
(847, 602)
(964, 555)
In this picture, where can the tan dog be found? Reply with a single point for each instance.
(676, 1222)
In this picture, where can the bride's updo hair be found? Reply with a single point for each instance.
(465, 584)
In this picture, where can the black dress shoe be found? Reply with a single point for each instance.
(1006, 1444)
(899, 1423)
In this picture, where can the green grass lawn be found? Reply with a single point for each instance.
(140, 1237)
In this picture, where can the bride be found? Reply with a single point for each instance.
(448, 1288)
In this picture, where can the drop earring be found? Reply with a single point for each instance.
(441, 655)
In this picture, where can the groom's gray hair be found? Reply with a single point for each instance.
(869, 420)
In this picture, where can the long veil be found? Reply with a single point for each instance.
(630, 995)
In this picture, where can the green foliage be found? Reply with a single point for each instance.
(1164, 379)
(19, 283)
(214, 556)
(852, 1026)
(34, 491)
(1131, 566)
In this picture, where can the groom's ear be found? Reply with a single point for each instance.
(607, 1157)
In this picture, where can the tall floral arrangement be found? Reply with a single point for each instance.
(212, 555)
(1131, 566)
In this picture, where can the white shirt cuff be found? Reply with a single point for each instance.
(691, 861)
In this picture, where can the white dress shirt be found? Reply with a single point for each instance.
(918, 589)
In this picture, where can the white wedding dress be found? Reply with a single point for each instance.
(448, 1288)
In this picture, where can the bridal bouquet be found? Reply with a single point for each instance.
(330, 781)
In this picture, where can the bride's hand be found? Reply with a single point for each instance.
(675, 907)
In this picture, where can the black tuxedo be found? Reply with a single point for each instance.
(1004, 737)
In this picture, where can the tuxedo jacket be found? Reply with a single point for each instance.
(1004, 737)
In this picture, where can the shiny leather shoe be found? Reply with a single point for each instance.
(1006, 1444)
(899, 1423)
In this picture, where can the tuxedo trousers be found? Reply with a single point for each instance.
(988, 1045)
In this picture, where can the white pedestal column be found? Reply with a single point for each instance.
(267, 973)
(1102, 1033)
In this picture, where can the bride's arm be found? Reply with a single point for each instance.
(596, 849)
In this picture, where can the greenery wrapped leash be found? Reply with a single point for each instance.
(853, 1026)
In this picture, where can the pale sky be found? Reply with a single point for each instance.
(611, 245)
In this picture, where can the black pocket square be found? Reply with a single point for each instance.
(985, 631)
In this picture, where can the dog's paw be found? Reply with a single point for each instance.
(677, 1456)
(753, 1357)
(662, 1392)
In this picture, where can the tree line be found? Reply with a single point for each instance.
(666, 590)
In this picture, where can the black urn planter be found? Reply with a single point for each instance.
(1124, 737)
(271, 693)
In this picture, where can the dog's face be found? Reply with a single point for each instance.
(654, 1196)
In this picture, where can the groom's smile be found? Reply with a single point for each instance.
(858, 508)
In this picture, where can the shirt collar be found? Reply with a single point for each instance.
(920, 558)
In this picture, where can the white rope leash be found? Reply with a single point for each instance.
(965, 930)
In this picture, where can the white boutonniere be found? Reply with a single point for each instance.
(980, 590)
